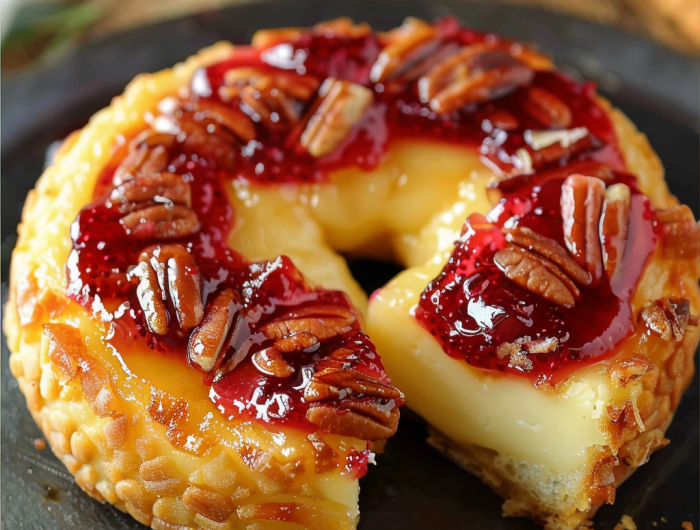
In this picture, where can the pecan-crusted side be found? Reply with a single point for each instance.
(340, 106)
(680, 231)
(210, 340)
(667, 318)
(168, 273)
(581, 206)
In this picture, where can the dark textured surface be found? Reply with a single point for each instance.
(413, 487)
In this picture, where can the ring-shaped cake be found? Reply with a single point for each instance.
(189, 338)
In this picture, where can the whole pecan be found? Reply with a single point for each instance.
(364, 419)
(581, 205)
(168, 275)
(209, 342)
(475, 74)
(667, 318)
(614, 227)
(339, 108)
(680, 231)
(537, 274)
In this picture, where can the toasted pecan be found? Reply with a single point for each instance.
(614, 227)
(537, 274)
(168, 273)
(581, 206)
(341, 106)
(208, 342)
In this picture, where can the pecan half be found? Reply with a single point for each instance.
(270, 362)
(148, 153)
(550, 249)
(667, 318)
(342, 105)
(161, 222)
(291, 331)
(365, 419)
(614, 226)
(547, 108)
(561, 153)
(474, 74)
(581, 206)
(275, 100)
(408, 48)
(166, 188)
(230, 118)
(210, 340)
(338, 27)
(338, 384)
(537, 274)
(168, 273)
(681, 233)
(348, 402)
(497, 119)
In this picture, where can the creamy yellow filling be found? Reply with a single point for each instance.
(471, 406)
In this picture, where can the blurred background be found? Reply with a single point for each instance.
(36, 31)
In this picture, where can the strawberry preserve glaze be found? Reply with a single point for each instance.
(104, 252)
(471, 308)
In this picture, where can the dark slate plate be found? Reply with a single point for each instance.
(413, 487)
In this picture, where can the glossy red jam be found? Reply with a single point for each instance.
(104, 252)
(490, 310)
(472, 308)
(398, 113)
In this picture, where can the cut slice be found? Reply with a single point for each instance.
(549, 384)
